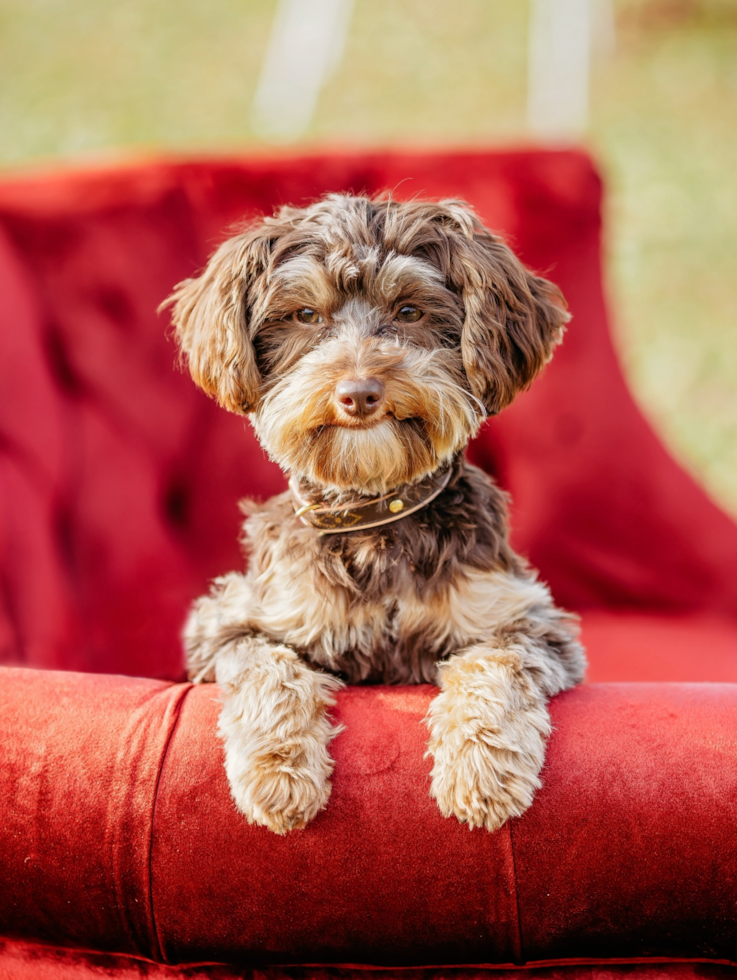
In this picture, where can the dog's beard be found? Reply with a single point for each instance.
(371, 460)
(429, 418)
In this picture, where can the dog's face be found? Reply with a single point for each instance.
(368, 339)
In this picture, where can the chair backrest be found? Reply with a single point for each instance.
(120, 481)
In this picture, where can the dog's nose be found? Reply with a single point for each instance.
(359, 396)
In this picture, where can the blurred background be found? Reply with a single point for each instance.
(652, 92)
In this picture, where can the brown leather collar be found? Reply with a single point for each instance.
(369, 513)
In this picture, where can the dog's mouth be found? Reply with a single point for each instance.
(346, 422)
(369, 422)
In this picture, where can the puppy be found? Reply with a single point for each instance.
(367, 340)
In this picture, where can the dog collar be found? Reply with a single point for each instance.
(369, 513)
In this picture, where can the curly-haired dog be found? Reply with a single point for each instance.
(368, 340)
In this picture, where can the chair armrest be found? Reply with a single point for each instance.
(117, 833)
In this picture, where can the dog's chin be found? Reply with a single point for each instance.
(372, 458)
(368, 458)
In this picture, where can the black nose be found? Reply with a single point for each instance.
(359, 396)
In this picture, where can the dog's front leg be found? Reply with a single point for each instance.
(488, 730)
(275, 726)
(274, 720)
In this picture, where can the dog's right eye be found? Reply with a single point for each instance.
(408, 314)
(308, 316)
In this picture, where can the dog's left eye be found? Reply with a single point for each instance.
(308, 316)
(408, 314)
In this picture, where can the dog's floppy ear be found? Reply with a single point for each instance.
(210, 317)
(513, 318)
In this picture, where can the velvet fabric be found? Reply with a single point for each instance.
(119, 834)
(120, 481)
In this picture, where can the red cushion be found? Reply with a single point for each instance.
(120, 481)
(118, 833)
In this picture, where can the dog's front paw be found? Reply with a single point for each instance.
(284, 786)
(488, 730)
(276, 731)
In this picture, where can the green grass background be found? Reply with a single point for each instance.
(89, 78)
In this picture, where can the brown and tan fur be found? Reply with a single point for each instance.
(438, 596)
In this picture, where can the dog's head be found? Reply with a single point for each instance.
(367, 338)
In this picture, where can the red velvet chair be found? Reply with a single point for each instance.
(120, 852)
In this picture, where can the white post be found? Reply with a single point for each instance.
(560, 39)
(306, 45)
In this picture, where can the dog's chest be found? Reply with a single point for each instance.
(395, 638)
(392, 635)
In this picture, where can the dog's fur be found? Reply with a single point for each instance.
(438, 596)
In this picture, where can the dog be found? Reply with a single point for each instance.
(367, 340)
